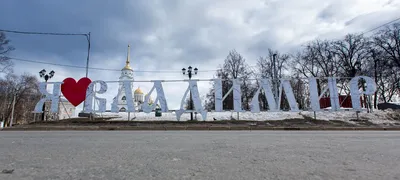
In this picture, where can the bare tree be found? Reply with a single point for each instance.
(24, 89)
(388, 40)
(266, 69)
(5, 49)
(234, 67)
(265, 64)
(317, 59)
(352, 53)
(387, 62)
(387, 76)
(388, 84)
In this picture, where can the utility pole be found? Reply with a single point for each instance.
(5, 107)
(375, 76)
(12, 110)
(88, 53)
(87, 63)
(189, 73)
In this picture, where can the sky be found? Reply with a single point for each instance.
(166, 36)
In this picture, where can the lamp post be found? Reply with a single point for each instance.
(190, 74)
(46, 77)
(375, 76)
(275, 77)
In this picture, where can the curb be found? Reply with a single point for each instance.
(198, 128)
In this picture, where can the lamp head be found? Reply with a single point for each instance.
(52, 73)
(42, 72)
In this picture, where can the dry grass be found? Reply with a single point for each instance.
(223, 124)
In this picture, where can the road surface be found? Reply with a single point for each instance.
(199, 155)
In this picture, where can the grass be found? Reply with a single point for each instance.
(306, 122)
(395, 115)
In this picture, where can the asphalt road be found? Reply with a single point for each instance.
(200, 155)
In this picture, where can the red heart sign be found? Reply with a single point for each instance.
(75, 92)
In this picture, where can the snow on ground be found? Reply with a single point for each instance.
(141, 116)
(376, 117)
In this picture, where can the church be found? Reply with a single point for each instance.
(138, 95)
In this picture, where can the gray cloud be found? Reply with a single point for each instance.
(169, 35)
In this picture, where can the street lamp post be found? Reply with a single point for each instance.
(275, 77)
(190, 74)
(46, 77)
(376, 60)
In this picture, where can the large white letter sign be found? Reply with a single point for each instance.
(127, 87)
(218, 95)
(196, 101)
(334, 94)
(370, 89)
(285, 85)
(91, 95)
(54, 98)
(255, 104)
(314, 96)
(237, 96)
(160, 98)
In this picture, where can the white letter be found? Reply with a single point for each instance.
(126, 86)
(285, 85)
(54, 98)
(218, 95)
(333, 93)
(160, 98)
(91, 94)
(237, 96)
(196, 101)
(255, 104)
(314, 97)
(355, 92)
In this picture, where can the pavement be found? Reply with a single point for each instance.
(42, 155)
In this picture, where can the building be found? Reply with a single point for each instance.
(65, 111)
(137, 94)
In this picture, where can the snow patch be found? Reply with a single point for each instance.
(376, 117)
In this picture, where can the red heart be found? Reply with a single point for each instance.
(75, 92)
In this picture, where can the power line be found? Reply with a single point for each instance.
(58, 34)
(72, 66)
(57, 64)
(103, 69)
(107, 69)
(373, 29)
(43, 33)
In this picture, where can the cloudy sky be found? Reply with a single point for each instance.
(168, 35)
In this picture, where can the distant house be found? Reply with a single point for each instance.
(65, 110)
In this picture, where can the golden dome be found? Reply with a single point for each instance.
(138, 91)
(127, 66)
